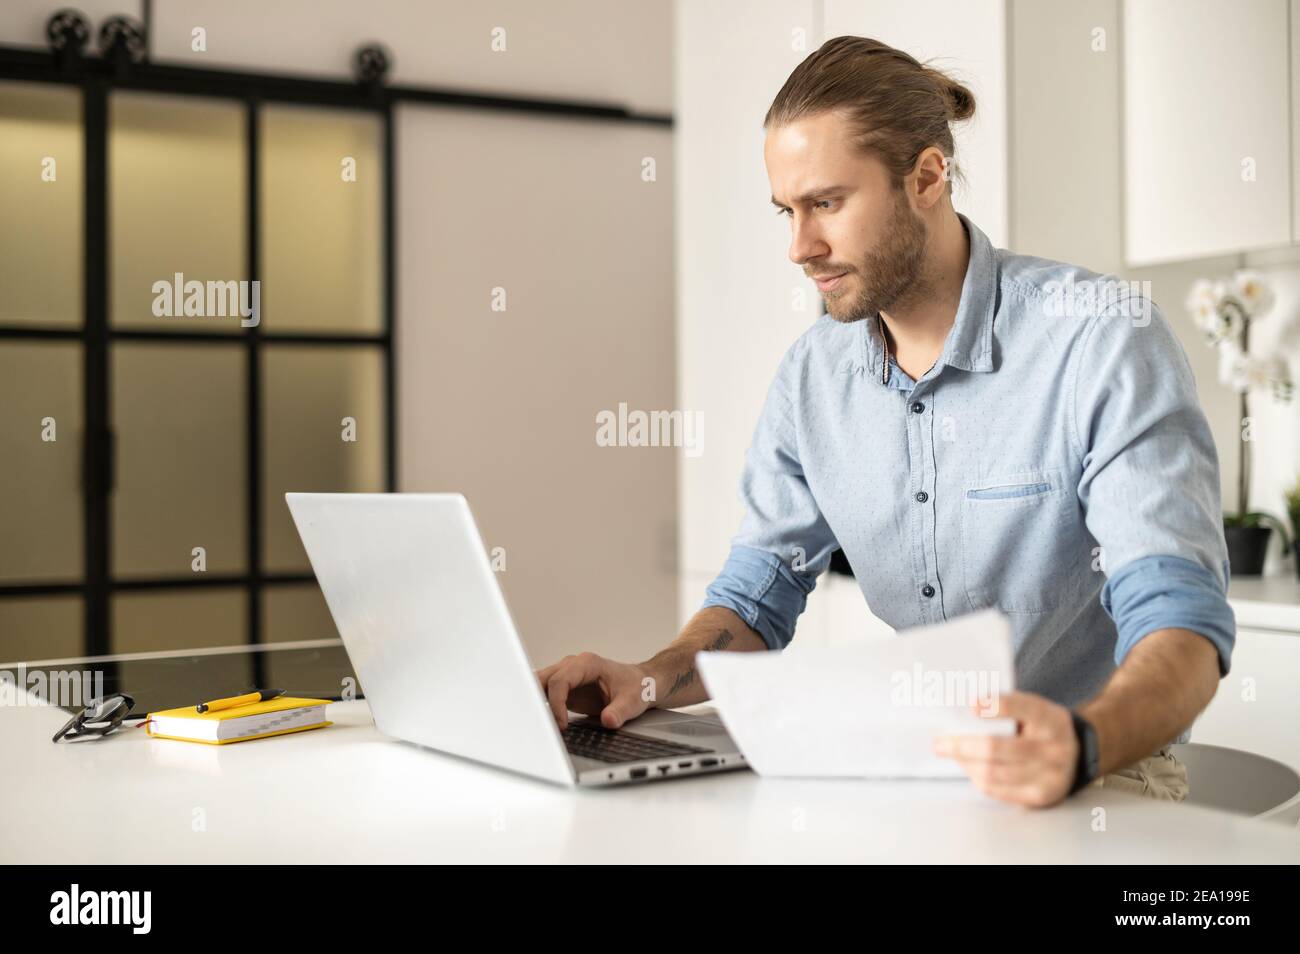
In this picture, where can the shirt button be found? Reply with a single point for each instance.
(927, 591)
(917, 407)
(922, 496)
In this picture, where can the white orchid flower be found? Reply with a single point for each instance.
(1249, 287)
(1243, 372)
(1222, 324)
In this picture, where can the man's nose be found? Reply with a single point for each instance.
(806, 242)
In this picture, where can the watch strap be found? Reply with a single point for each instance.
(1085, 769)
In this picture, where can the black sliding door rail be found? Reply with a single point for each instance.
(38, 65)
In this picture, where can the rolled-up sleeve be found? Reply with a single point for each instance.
(1162, 592)
(784, 542)
(1150, 482)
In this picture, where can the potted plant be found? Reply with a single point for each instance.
(1293, 511)
(1224, 310)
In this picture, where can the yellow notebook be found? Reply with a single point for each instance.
(258, 720)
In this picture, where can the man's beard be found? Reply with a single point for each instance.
(890, 274)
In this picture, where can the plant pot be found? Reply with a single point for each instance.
(1246, 549)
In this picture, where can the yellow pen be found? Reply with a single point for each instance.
(216, 705)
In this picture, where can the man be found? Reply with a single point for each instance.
(973, 428)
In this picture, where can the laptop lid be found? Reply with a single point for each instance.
(424, 622)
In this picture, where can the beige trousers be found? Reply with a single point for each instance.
(1159, 776)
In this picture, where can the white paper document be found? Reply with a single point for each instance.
(868, 710)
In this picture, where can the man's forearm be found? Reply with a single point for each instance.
(676, 682)
(1164, 683)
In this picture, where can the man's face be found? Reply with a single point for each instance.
(846, 218)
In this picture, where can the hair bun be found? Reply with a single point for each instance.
(961, 101)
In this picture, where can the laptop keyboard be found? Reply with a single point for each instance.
(592, 740)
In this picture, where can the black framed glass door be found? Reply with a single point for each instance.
(195, 317)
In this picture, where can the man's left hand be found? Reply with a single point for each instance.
(1035, 767)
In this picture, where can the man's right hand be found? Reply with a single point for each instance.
(594, 685)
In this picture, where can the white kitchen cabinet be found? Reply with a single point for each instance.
(1207, 157)
(1257, 707)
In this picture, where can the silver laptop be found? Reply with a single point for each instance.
(424, 622)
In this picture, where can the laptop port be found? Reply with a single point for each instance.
(708, 763)
(685, 764)
(637, 773)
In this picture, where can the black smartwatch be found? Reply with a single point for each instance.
(1087, 768)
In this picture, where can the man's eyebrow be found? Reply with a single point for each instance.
(814, 195)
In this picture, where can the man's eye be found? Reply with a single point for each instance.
(822, 203)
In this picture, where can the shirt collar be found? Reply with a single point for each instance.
(969, 345)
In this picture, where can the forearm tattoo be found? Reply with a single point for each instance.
(686, 678)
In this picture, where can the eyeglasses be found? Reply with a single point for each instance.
(98, 718)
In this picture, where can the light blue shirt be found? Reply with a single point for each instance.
(1053, 463)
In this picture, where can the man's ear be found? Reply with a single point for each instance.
(930, 177)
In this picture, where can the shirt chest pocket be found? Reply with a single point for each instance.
(1020, 540)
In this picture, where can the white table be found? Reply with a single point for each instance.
(348, 794)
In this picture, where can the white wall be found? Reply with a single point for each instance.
(966, 39)
(575, 49)
(1065, 186)
(502, 405)
(740, 300)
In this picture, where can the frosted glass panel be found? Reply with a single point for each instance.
(177, 204)
(295, 611)
(147, 621)
(40, 627)
(41, 191)
(308, 446)
(179, 411)
(322, 215)
(40, 462)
